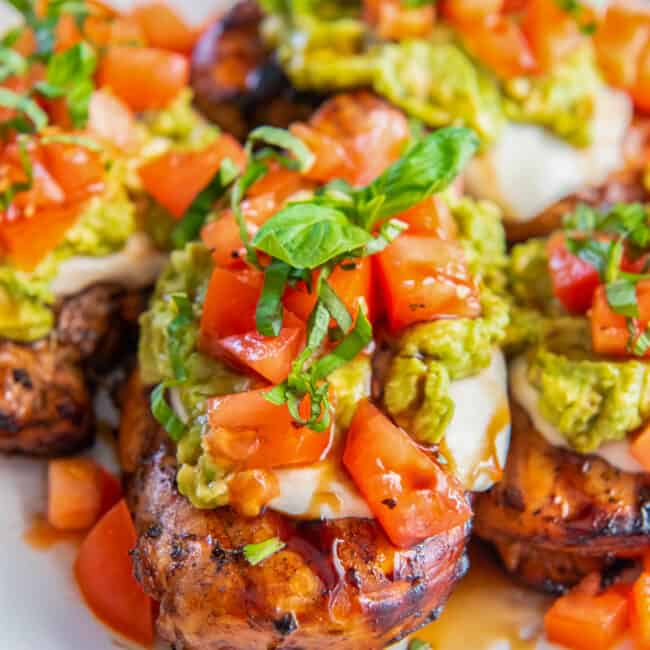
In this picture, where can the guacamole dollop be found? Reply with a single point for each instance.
(104, 224)
(328, 46)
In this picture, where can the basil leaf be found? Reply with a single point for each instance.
(306, 235)
(7, 196)
(317, 326)
(189, 227)
(416, 644)
(592, 251)
(68, 138)
(427, 168)
(388, 232)
(11, 64)
(268, 314)
(347, 349)
(277, 395)
(584, 218)
(175, 330)
(621, 297)
(638, 345)
(284, 140)
(256, 553)
(335, 306)
(164, 414)
(10, 99)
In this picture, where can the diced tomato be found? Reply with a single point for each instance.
(164, 28)
(393, 20)
(248, 430)
(104, 572)
(78, 171)
(499, 43)
(143, 78)
(466, 10)
(117, 30)
(269, 356)
(621, 42)
(111, 120)
(609, 332)
(177, 177)
(430, 217)
(640, 605)
(587, 622)
(230, 304)
(354, 136)
(27, 240)
(640, 449)
(410, 494)
(424, 279)
(223, 237)
(574, 280)
(552, 33)
(351, 281)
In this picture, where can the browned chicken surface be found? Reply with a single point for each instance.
(45, 401)
(237, 84)
(558, 515)
(338, 584)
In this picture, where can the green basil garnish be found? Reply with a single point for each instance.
(164, 414)
(268, 315)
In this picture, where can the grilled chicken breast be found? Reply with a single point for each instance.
(237, 83)
(557, 515)
(337, 584)
(45, 401)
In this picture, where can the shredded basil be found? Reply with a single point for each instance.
(268, 315)
(175, 329)
(257, 553)
(164, 414)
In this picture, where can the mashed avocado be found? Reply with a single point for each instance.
(562, 101)
(327, 46)
(590, 401)
(104, 225)
(429, 356)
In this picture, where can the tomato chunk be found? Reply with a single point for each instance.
(410, 494)
(354, 136)
(640, 602)
(430, 217)
(499, 43)
(574, 280)
(143, 78)
(105, 575)
(587, 622)
(552, 33)
(248, 430)
(177, 177)
(351, 281)
(164, 28)
(609, 331)
(230, 304)
(424, 279)
(269, 356)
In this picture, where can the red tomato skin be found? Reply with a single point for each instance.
(143, 78)
(410, 494)
(277, 442)
(574, 280)
(105, 575)
(230, 304)
(164, 28)
(177, 177)
(423, 279)
(430, 217)
(609, 332)
(269, 356)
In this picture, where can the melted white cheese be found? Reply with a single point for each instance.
(136, 266)
(615, 453)
(478, 452)
(528, 169)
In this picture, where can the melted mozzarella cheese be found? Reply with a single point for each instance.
(528, 169)
(478, 436)
(615, 453)
(136, 266)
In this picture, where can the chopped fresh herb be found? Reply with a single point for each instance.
(416, 644)
(164, 414)
(257, 553)
(639, 343)
(415, 4)
(307, 235)
(10, 192)
(268, 315)
(577, 9)
(23, 104)
(390, 230)
(69, 138)
(594, 252)
(192, 221)
(175, 329)
(621, 297)
(284, 140)
(335, 306)
(11, 63)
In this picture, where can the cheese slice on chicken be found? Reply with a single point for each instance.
(529, 169)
